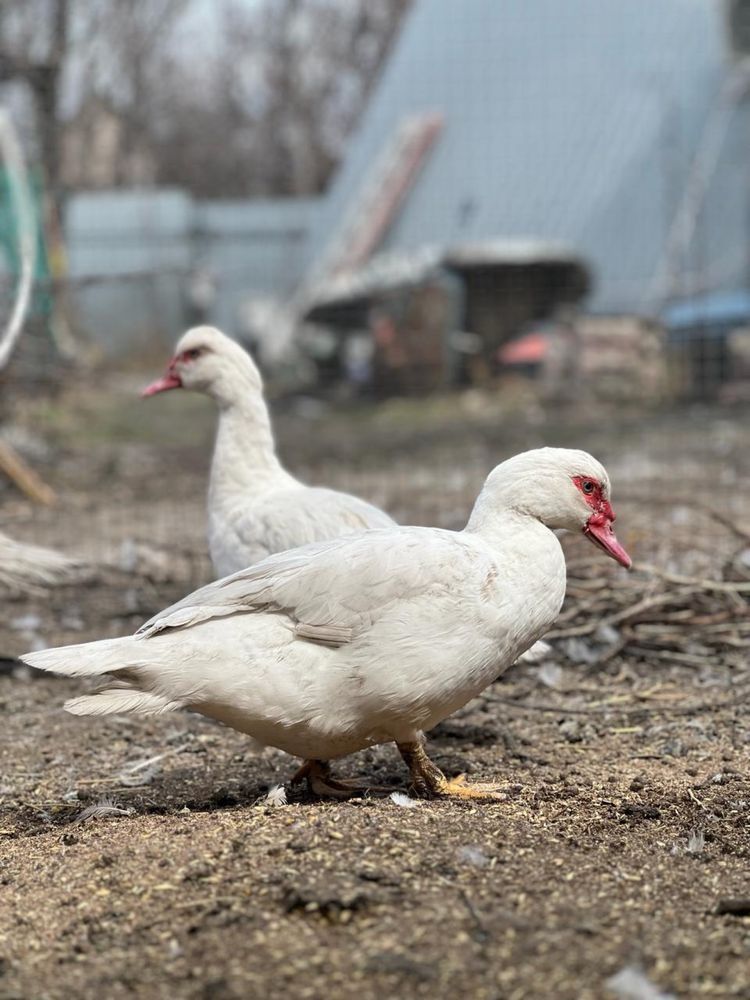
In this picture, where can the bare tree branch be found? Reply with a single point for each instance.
(265, 111)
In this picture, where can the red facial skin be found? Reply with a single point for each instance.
(598, 528)
(171, 380)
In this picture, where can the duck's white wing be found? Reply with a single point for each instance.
(332, 511)
(286, 519)
(332, 591)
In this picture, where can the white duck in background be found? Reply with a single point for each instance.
(255, 507)
(334, 647)
(28, 568)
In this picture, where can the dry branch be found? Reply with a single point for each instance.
(654, 616)
(24, 477)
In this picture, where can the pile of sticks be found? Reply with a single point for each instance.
(655, 615)
(650, 615)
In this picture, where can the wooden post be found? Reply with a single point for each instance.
(24, 477)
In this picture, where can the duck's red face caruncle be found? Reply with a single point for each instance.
(598, 527)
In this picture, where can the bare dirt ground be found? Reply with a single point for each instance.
(625, 827)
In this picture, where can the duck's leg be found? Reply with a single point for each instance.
(317, 773)
(429, 781)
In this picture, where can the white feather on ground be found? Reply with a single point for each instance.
(105, 807)
(404, 801)
(631, 983)
(276, 796)
(30, 568)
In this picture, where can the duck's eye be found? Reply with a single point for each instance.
(588, 486)
(193, 354)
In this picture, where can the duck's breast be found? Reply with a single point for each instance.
(426, 658)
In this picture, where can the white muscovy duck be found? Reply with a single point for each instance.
(337, 646)
(29, 568)
(255, 507)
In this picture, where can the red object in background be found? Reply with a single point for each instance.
(528, 350)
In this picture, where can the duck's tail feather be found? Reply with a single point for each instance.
(115, 701)
(130, 682)
(89, 658)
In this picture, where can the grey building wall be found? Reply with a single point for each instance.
(571, 121)
(255, 248)
(130, 254)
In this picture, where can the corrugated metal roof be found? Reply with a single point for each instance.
(572, 122)
(397, 268)
(496, 252)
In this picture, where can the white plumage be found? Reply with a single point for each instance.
(336, 646)
(255, 507)
(30, 568)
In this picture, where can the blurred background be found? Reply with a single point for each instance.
(404, 195)
(446, 231)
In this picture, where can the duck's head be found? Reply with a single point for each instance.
(562, 488)
(205, 360)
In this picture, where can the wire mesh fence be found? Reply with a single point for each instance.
(515, 251)
(538, 233)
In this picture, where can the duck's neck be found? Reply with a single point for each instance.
(527, 548)
(495, 523)
(244, 462)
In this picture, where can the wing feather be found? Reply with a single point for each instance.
(332, 591)
(287, 519)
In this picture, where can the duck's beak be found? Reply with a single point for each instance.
(598, 528)
(169, 381)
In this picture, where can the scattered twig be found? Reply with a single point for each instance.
(479, 925)
(24, 477)
(653, 614)
(728, 586)
(716, 515)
